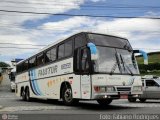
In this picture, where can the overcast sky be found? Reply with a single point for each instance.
(18, 28)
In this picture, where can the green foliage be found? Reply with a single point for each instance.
(152, 58)
(3, 64)
(153, 68)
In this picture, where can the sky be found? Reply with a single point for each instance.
(23, 34)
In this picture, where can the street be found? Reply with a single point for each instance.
(12, 105)
(9, 103)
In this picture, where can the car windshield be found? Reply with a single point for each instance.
(115, 55)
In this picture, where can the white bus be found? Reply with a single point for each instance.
(85, 66)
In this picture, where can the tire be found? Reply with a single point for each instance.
(67, 96)
(23, 95)
(12, 90)
(27, 95)
(142, 100)
(104, 102)
(132, 99)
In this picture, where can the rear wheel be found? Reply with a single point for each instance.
(23, 95)
(27, 95)
(132, 99)
(104, 102)
(142, 99)
(67, 96)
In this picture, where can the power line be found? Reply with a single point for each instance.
(22, 44)
(84, 7)
(79, 15)
(19, 48)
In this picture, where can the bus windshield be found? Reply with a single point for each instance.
(115, 55)
(110, 41)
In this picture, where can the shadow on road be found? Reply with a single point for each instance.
(82, 105)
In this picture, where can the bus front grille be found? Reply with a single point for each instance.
(119, 89)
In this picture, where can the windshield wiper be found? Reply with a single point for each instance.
(124, 64)
(115, 65)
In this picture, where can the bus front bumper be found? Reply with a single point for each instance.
(116, 95)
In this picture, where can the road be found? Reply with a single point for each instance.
(10, 104)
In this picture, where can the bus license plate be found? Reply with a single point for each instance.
(124, 96)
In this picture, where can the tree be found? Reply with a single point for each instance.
(3, 64)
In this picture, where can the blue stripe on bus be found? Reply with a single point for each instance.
(36, 83)
(32, 83)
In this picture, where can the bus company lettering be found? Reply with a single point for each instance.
(65, 66)
(47, 71)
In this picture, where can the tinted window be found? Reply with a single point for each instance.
(50, 55)
(85, 62)
(109, 41)
(40, 59)
(151, 83)
(61, 51)
(47, 56)
(32, 62)
(19, 68)
(53, 54)
(80, 40)
(25, 65)
(68, 48)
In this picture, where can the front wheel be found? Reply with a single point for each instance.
(142, 100)
(67, 96)
(132, 99)
(104, 102)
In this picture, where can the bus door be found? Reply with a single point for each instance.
(85, 77)
(81, 67)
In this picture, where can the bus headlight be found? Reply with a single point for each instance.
(137, 88)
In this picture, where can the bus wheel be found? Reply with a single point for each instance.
(104, 102)
(142, 100)
(23, 95)
(132, 99)
(27, 95)
(67, 96)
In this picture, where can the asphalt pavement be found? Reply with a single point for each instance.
(12, 105)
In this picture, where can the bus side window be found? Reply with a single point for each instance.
(47, 56)
(50, 55)
(25, 65)
(61, 51)
(77, 60)
(68, 48)
(81, 60)
(32, 62)
(40, 59)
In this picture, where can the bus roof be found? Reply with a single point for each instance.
(60, 40)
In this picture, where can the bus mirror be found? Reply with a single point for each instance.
(144, 54)
(93, 50)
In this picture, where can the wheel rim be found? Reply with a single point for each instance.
(68, 95)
